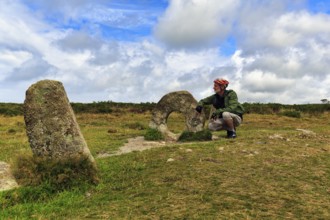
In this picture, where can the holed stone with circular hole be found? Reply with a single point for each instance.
(179, 101)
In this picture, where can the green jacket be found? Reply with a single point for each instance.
(231, 103)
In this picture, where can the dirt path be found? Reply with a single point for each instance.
(134, 144)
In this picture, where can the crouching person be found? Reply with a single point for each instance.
(229, 112)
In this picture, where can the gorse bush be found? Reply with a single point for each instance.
(153, 135)
(11, 109)
(260, 108)
(204, 135)
(312, 109)
(59, 174)
(110, 107)
(95, 107)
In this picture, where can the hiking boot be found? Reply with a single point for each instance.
(231, 134)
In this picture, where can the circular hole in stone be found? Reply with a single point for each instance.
(176, 122)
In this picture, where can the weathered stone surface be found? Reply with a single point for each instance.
(51, 125)
(180, 101)
(7, 180)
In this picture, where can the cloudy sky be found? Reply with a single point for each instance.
(139, 50)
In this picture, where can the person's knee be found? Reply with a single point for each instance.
(236, 124)
(226, 115)
(237, 121)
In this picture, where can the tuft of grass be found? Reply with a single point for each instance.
(11, 131)
(204, 135)
(153, 135)
(59, 174)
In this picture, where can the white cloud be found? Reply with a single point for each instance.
(305, 23)
(33, 68)
(286, 51)
(295, 28)
(78, 41)
(258, 81)
(192, 23)
(10, 59)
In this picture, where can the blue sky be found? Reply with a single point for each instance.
(138, 51)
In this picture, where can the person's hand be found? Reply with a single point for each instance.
(199, 109)
(214, 116)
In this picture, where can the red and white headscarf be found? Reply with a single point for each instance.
(221, 82)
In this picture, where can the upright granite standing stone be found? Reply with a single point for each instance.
(52, 129)
(180, 101)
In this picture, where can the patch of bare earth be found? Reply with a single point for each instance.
(134, 144)
(7, 181)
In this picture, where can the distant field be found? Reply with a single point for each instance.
(271, 171)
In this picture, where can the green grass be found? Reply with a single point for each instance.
(204, 135)
(270, 171)
(153, 134)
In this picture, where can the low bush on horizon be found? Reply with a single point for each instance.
(293, 114)
(109, 107)
(11, 109)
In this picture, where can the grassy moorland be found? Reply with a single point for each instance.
(271, 171)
